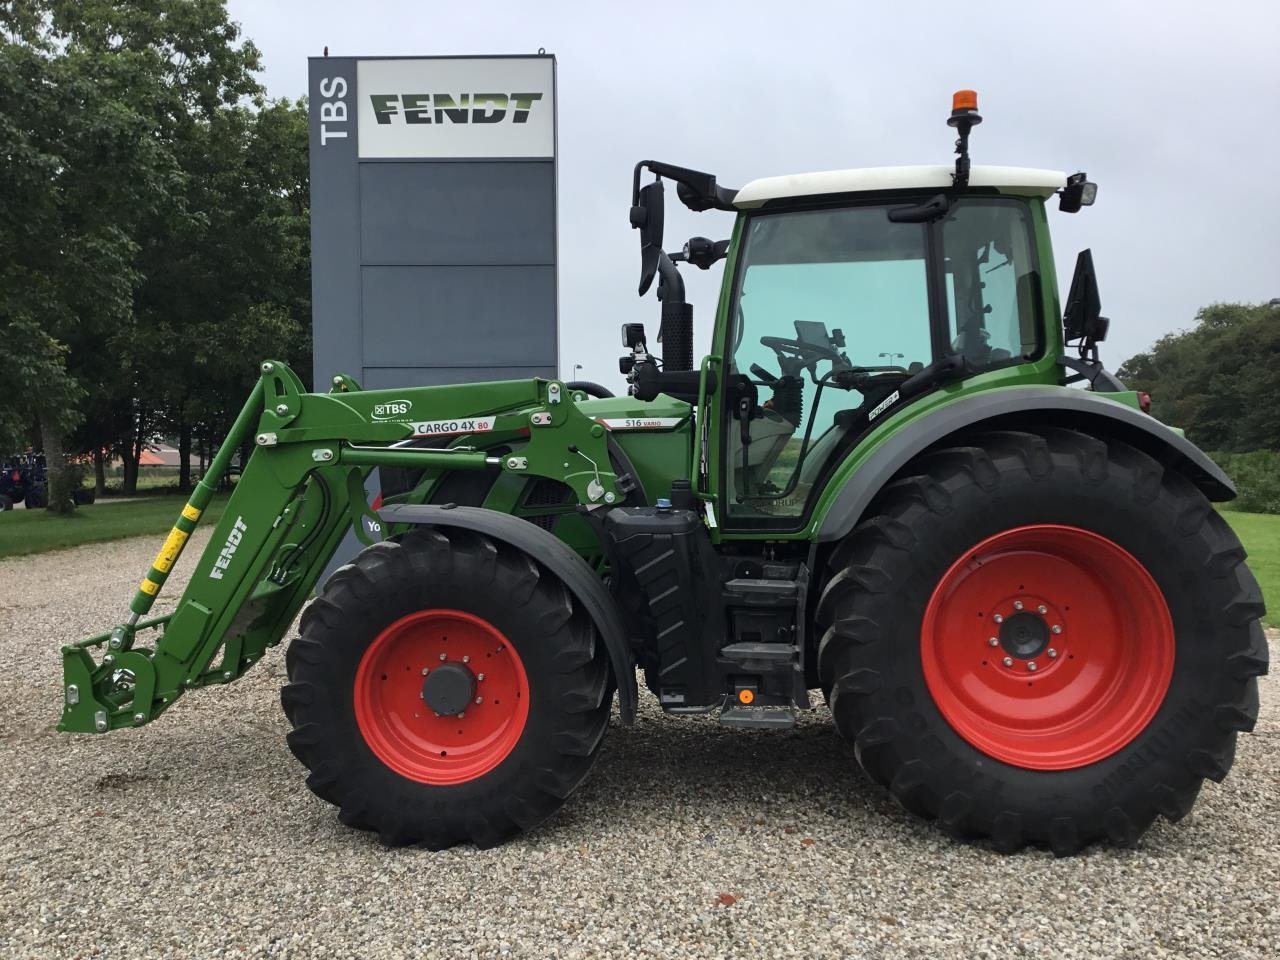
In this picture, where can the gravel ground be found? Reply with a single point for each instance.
(195, 837)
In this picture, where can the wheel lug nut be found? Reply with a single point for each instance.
(1017, 604)
(1052, 653)
(998, 618)
(1031, 665)
(461, 714)
(1042, 608)
(993, 642)
(480, 677)
(466, 659)
(1057, 628)
(479, 699)
(444, 657)
(425, 671)
(1008, 661)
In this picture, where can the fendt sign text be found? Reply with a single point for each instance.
(456, 108)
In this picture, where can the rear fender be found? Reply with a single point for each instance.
(1007, 408)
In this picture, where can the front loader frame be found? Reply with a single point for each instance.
(296, 496)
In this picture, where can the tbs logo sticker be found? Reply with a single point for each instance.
(392, 409)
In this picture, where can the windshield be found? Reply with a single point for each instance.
(832, 314)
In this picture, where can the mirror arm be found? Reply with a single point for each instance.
(670, 283)
(704, 193)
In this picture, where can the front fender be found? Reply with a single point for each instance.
(1006, 408)
(553, 554)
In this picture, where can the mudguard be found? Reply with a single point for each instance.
(1006, 408)
(582, 581)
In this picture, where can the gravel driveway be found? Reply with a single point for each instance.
(195, 836)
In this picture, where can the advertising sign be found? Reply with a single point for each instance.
(455, 108)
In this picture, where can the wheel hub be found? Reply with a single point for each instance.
(1047, 646)
(441, 696)
(449, 688)
(1024, 635)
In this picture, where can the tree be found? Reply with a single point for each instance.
(234, 286)
(79, 166)
(153, 223)
(1220, 380)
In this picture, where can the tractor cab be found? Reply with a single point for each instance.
(837, 301)
(846, 294)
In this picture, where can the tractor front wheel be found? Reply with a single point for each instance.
(446, 688)
(1042, 638)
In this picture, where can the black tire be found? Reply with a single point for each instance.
(570, 693)
(5, 503)
(36, 499)
(879, 583)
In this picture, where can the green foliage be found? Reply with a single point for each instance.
(1220, 381)
(1257, 477)
(153, 223)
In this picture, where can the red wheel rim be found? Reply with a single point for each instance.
(405, 733)
(1048, 647)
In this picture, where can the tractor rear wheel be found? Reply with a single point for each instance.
(446, 688)
(1042, 638)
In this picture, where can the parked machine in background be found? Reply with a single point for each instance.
(22, 480)
(1015, 597)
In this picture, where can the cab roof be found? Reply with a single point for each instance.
(1022, 181)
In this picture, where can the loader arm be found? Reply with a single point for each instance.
(297, 494)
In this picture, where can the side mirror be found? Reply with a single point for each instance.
(1078, 192)
(647, 216)
(1082, 318)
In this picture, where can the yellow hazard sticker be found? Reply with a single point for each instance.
(149, 587)
(169, 552)
(191, 513)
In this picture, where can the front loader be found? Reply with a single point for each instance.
(882, 484)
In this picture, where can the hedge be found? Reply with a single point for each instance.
(1257, 477)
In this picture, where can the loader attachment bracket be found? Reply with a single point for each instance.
(360, 510)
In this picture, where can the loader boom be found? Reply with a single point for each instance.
(296, 496)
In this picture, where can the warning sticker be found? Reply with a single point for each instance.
(440, 428)
(169, 552)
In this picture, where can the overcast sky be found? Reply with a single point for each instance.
(1173, 108)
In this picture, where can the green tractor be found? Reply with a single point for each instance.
(1014, 595)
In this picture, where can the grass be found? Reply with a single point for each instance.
(1260, 534)
(36, 531)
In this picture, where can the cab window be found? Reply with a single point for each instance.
(832, 314)
(992, 282)
(832, 311)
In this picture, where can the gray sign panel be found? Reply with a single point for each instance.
(433, 219)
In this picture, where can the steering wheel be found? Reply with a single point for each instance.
(796, 355)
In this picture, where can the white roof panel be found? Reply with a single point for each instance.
(1015, 180)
